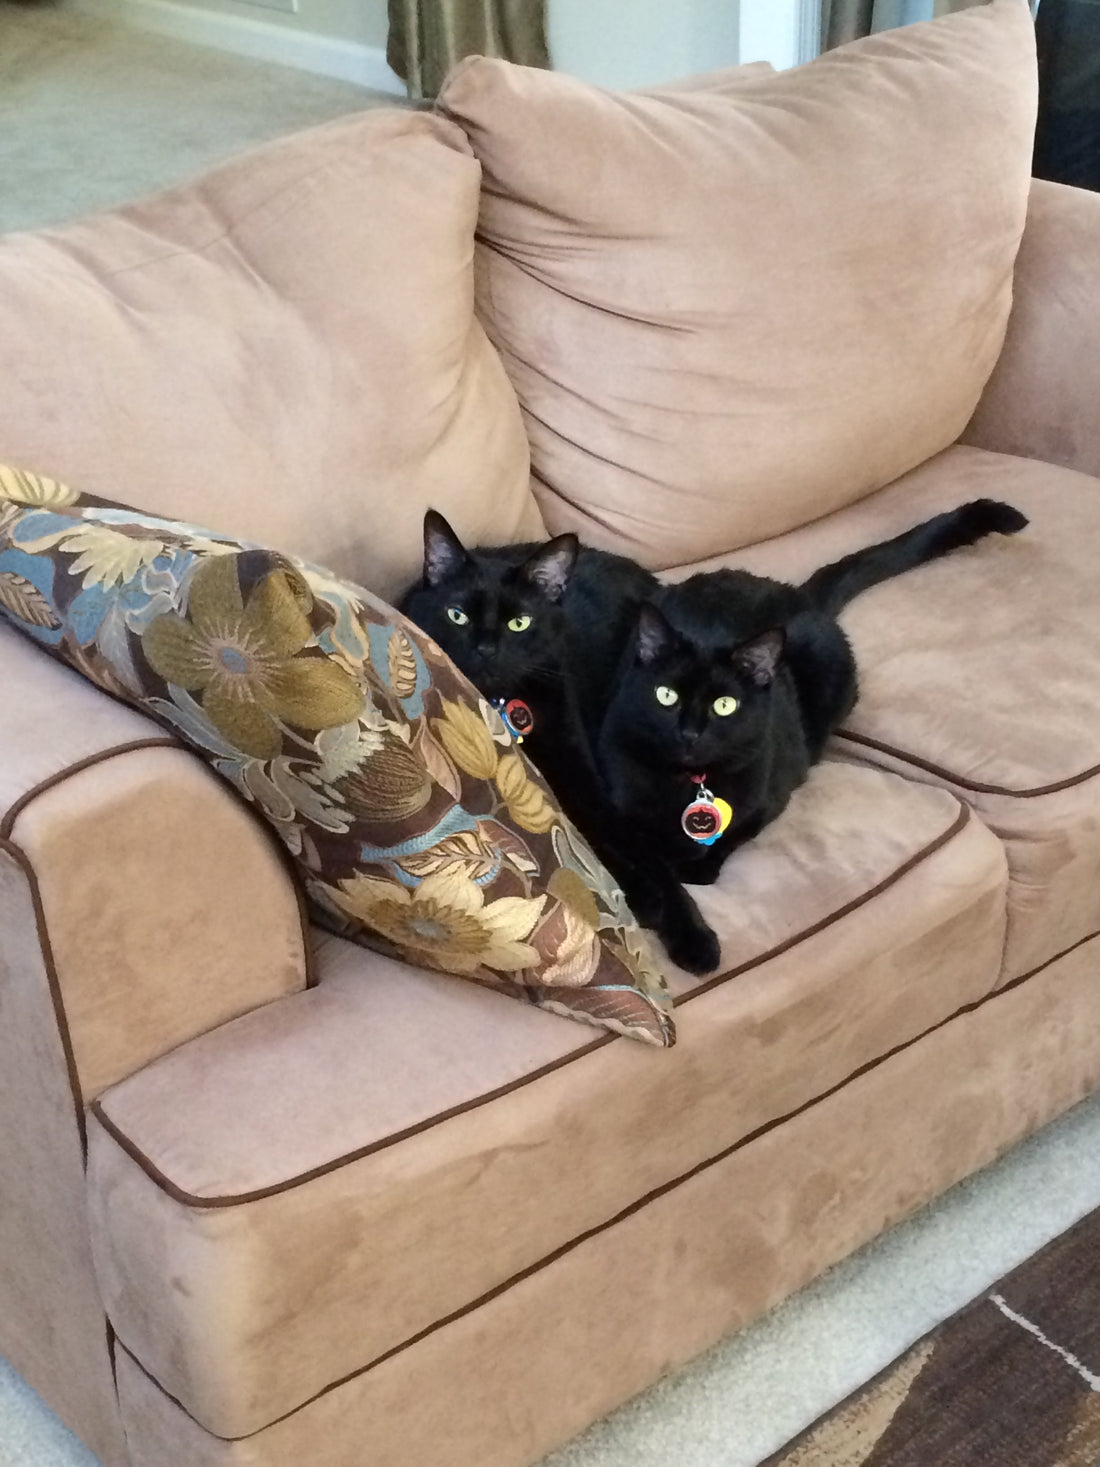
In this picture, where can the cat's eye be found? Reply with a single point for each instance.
(667, 696)
(519, 623)
(725, 706)
(457, 615)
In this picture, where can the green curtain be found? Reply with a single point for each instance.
(427, 37)
(847, 20)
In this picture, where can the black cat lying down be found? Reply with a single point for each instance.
(672, 722)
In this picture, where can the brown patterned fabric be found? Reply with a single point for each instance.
(415, 824)
(1012, 1381)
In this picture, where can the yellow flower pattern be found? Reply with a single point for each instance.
(527, 805)
(243, 658)
(446, 921)
(463, 734)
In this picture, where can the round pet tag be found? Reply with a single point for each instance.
(706, 818)
(518, 718)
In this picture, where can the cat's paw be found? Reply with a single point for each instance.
(990, 517)
(694, 948)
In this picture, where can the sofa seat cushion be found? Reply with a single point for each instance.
(981, 673)
(281, 1202)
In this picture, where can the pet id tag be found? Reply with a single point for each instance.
(517, 717)
(707, 815)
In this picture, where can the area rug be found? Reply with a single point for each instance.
(1011, 1381)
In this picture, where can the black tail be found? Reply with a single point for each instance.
(833, 586)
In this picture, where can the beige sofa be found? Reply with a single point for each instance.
(267, 1199)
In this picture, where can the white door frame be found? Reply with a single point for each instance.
(784, 32)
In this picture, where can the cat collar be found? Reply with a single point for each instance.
(707, 815)
(518, 718)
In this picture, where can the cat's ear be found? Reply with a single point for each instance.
(759, 659)
(551, 566)
(444, 553)
(655, 636)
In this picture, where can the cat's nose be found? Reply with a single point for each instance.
(485, 646)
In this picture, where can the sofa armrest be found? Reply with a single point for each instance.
(1041, 401)
(162, 906)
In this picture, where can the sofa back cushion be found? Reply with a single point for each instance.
(285, 348)
(730, 310)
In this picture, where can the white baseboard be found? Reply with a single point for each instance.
(261, 39)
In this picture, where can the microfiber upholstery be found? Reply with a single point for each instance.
(285, 348)
(730, 310)
(358, 1163)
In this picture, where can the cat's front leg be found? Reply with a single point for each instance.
(690, 942)
(659, 902)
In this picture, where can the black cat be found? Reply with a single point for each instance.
(503, 616)
(672, 722)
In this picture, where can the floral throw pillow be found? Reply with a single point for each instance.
(417, 826)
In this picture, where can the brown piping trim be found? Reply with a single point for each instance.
(7, 824)
(957, 779)
(112, 1356)
(1031, 972)
(191, 1199)
(642, 1202)
(22, 860)
(309, 957)
(60, 1018)
(906, 866)
(168, 1396)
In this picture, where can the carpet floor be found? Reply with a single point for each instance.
(92, 114)
(1012, 1381)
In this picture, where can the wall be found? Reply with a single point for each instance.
(632, 43)
(613, 43)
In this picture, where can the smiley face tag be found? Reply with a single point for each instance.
(706, 817)
(518, 718)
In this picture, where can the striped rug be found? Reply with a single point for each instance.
(1011, 1381)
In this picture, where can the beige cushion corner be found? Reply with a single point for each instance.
(284, 349)
(165, 904)
(729, 311)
